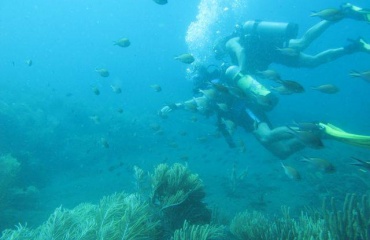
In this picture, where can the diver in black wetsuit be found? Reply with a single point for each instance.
(234, 108)
(262, 43)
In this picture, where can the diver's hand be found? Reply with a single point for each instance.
(163, 113)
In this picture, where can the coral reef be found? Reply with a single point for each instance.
(9, 168)
(199, 232)
(352, 222)
(174, 209)
(178, 194)
(118, 216)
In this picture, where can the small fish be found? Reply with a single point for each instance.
(155, 126)
(116, 89)
(270, 74)
(229, 125)
(120, 110)
(29, 62)
(95, 119)
(310, 139)
(96, 91)
(288, 51)
(329, 14)
(361, 163)
(223, 107)
(202, 139)
(123, 42)
(160, 2)
(102, 72)
(292, 85)
(364, 75)
(185, 58)
(320, 163)
(194, 119)
(291, 172)
(156, 87)
(326, 88)
(282, 90)
(307, 126)
(104, 143)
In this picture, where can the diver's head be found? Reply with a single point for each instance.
(231, 72)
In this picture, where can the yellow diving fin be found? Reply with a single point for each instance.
(349, 138)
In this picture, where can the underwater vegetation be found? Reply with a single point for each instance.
(9, 169)
(173, 208)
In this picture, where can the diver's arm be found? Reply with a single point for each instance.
(237, 52)
(168, 108)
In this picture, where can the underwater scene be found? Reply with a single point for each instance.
(197, 119)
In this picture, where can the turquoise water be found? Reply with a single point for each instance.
(59, 130)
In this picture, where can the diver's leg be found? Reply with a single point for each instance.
(311, 34)
(278, 141)
(326, 56)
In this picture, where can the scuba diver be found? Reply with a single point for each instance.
(233, 108)
(238, 99)
(261, 43)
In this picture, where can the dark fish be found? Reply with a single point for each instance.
(123, 42)
(291, 172)
(291, 85)
(320, 163)
(364, 75)
(361, 163)
(96, 90)
(185, 58)
(326, 88)
(329, 14)
(308, 138)
(156, 87)
(307, 126)
(270, 74)
(160, 2)
(282, 90)
(102, 72)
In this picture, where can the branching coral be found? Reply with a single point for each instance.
(118, 216)
(352, 222)
(199, 232)
(178, 194)
(172, 186)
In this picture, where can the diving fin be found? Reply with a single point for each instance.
(351, 11)
(349, 138)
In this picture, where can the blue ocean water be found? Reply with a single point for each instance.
(75, 146)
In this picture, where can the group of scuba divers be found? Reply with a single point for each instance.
(238, 99)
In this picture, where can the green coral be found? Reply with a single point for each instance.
(118, 216)
(178, 194)
(199, 232)
(352, 222)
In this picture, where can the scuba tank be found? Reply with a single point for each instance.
(276, 33)
(259, 94)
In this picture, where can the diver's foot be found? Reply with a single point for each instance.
(351, 11)
(359, 45)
